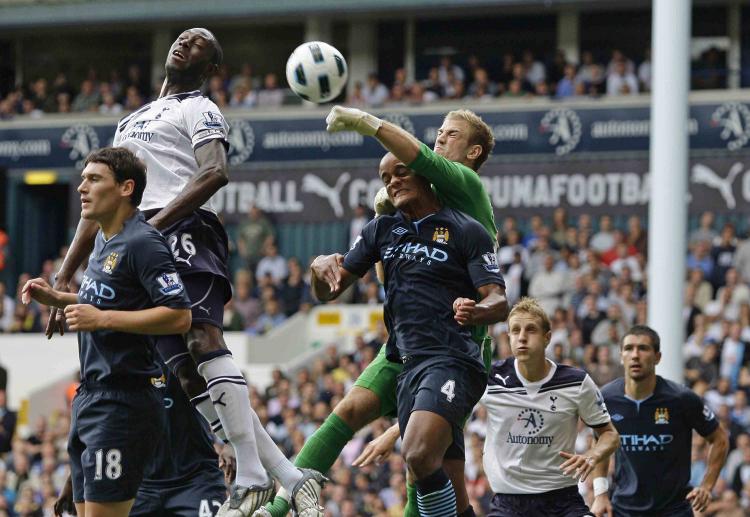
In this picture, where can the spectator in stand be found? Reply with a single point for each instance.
(704, 368)
(374, 92)
(359, 219)
(356, 97)
(519, 74)
(432, 83)
(7, 423)
(245, 75)
(506, 69)
(253, 232)
(448, 72)
(703, 290)
(535, 70)
(88, 98)
(722, 254)
(109, 105)
(619, 57)
(271, 95)
(482, 87)
(7, 310)
(271, 318)
(133, 99)
(620, 81)
(733, 294)
(547, 285)
(637, 236)
(272, 263)
(244, 302)
(41, 97)
(590, 72)
(705, 230)
(700, 257)
(294, 291)
(625, 259)
(566, 86)
(644, 71)
(604, 239)
(243, 96)
(63, 103)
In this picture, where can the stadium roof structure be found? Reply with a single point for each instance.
(21, 14)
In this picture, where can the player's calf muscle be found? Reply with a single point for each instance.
(358, 408)
(203, 339)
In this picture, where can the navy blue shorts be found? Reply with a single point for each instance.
(565, 502)
(198, 242)
(113, 437)
(443, 386)
(207, 297)
(200, 496)
(683, 509)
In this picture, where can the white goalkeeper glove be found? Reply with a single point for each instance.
(383, 204)
(352, 119)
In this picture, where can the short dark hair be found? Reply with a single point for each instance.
(643, 330)
(125, 166)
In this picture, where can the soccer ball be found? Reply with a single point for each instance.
(316, 71)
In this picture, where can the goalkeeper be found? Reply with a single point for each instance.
(464, 141)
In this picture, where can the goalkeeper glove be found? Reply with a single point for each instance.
(351, 119)
(383, 204)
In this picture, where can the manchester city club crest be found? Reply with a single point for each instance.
(661, 415)
(441, 235)
(110, 263)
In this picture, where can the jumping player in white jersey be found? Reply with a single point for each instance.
(533, 406)
(182, 138)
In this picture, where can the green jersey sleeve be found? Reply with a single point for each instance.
(457, 186)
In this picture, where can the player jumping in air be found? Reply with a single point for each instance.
(182, 138)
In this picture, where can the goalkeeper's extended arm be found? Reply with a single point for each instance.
(398, 141)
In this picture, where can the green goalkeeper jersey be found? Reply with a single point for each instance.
(458, 187)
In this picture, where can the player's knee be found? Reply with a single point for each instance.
(203, 339)
(421, 459)
(358, 408)
(190, 380)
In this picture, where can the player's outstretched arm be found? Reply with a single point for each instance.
(154, 321)
(700, 496)
(212, 175)
(329, 278)
(492, 308)
(400, 142)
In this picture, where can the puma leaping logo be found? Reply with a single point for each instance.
(219, 402)
(314, 185)
(706, 176)
(504, 379)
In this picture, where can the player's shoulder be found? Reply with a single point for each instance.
(462, 220)
(139, 233)
(503, 376)
(564, 377)
(670, 389)
(614, 388)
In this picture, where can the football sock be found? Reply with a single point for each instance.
(319, 452)
(230, 397)
(411, 509)
(273, 459)
(207, 410)
(435, 495)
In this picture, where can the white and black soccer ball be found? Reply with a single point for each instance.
(316, 71)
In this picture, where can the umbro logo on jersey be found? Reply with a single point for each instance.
(617, 417)
(399, 230)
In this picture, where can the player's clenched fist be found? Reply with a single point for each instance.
(352, 119)
(83, 317)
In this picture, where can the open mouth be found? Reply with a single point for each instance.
(179, 54)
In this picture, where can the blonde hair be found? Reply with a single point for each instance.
(481, 134)
(531, 307)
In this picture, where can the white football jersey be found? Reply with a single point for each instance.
(164, 134)
(529, 423)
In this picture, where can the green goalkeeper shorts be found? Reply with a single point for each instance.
(381, 376)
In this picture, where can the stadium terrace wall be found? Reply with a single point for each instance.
(590, 157)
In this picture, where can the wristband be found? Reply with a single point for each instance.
(601, 486)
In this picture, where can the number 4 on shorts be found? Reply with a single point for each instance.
(449, 390)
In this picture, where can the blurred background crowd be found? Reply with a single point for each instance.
(522, 75)
(590, 275)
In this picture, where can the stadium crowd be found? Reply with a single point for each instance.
(514, 76)
(591, 277)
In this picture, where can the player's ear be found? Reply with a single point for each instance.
(127, 188)
(475, 151)
(658, 358)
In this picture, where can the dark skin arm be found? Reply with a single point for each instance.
(329, 279)
(212, 175)
(493, 307)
